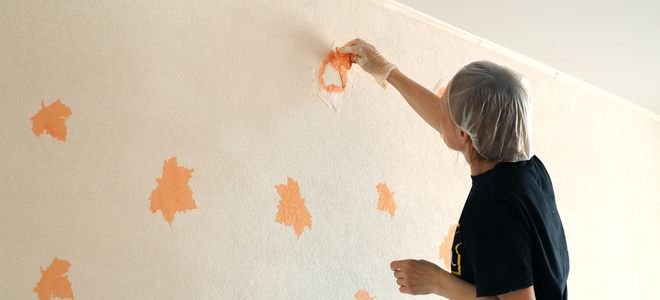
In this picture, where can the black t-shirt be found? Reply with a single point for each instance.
(510, 235)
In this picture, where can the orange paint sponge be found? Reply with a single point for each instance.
(342, 63)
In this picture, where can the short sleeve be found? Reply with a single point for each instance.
(497, 241)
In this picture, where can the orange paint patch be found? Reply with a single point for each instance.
(291, 210)
(445, 248)
(362, 295)
(53, 282)
(173, 193)
(51, 119)
(340, 62)
(385, 199)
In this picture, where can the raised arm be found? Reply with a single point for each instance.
(428, 105)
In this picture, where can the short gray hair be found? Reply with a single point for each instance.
(492, 105)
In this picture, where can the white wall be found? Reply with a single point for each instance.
(225, 87)
(612, 44)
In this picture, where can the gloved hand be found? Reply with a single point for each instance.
(366, 55)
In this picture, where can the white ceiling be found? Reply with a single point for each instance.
(613, 45)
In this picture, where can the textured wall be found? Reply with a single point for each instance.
(227, 88)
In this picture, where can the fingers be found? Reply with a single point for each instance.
(405, 287)
(395, 264)
(413, 276)
(354, 42)
(405, 290)
(361, 52)
(400, 264)
(399, 274)
(349, 49)
(362, 61)
(352, 47)
(399, 268)
(353, 51)
(355, 46)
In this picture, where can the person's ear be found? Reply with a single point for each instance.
(463, 137)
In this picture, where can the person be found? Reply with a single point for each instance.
(509, 242)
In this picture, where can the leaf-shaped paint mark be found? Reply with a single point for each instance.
(51, 120)
(385, 199)
(362, 295)
(341, 62)
(54, 282)
(445, 248)
(291, 210)
(172, 194)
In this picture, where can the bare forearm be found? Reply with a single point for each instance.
(423, 101)
(454, 288)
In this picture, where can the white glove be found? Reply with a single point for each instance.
(371, 61)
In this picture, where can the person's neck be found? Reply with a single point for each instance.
(478, 167)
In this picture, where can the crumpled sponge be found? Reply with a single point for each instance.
(342, 63)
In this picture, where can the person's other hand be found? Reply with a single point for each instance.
(417, 277)
(371, 61)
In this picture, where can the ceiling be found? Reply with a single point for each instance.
(612, 45)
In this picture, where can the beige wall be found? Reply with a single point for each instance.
(227, 88)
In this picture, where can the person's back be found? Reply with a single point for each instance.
(510, 235)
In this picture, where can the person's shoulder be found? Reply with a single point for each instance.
(510, 180)
(523, 173)
(536, 161)
(492, 207)
(533, 176)
(493, 196)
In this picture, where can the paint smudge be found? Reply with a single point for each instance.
(445, 248)
(340, 62)
(51, 120)
(362, 295)
(291, 210)
(172, 194)
(385, 199)
(54, 282)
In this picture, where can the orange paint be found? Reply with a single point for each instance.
(291, 210)
(51, 119)
(362, 295)
(340, 62)
(445, 248)
(385, 199)
(53, 282)
(172, 193)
